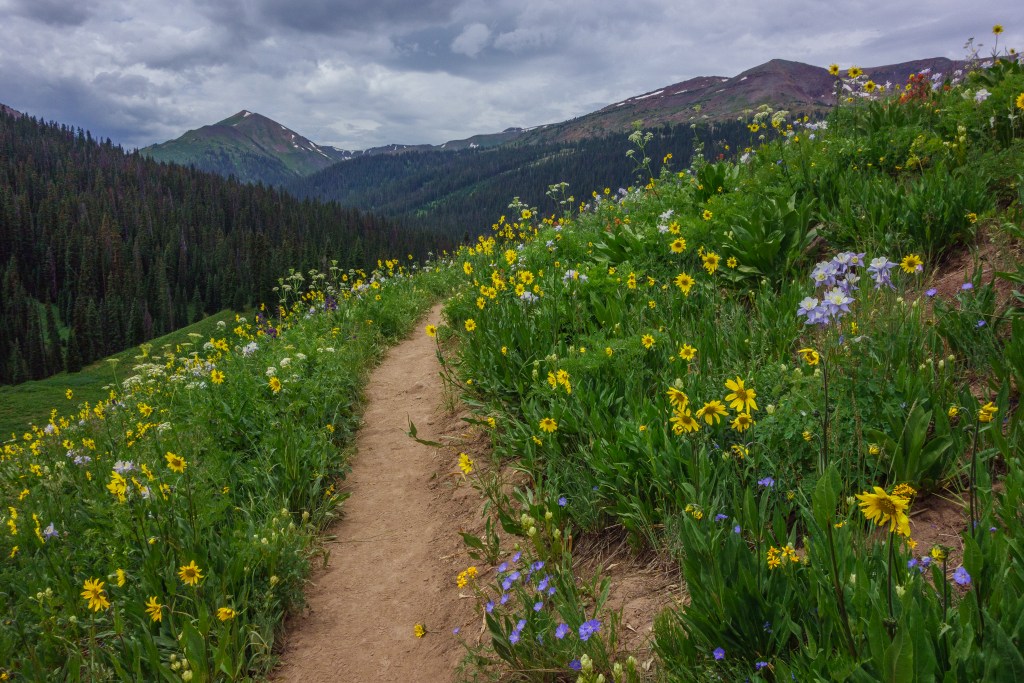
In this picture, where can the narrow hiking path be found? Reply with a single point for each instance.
(396, 550)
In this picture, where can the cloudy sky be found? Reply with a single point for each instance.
(361, 73)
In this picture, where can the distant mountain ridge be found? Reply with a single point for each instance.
(249, 146)
(255, 148)
(10, 112)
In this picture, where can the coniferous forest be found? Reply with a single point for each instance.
(102, 249)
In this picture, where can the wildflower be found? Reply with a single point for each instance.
(854, 72)
(94, 593)
(879, 269)
(684, 282)
(419, 630)
(68, 394)
(154, 609)
(562, 502)
(1020, 101)
(760, 665)
(677, 398)
(707, 215)
(465, 463)
(50, 532)
(962, 577)
(807, 436)
(683, 422)
(732, 262)
(687, 352)
(741, 399)
(561, 631)
(467, 268)
(120, 577)
(997, 29)
(712, 412)
(937, 553)
(176, 462)
(226, 613)
(548, 425)
(710, 260)
(766, 482)
(720, 517)
(833, 69)
(647, 340)
(904, 491)
(912, 263)
(874, 449)
(931, 292)
(881, 508)
(431, 330)
(274, 384)
(742, 422)
(952, 412)
(719, 654)
(987, 411)
(589, 628)
(190, 574)
(217, 377)
(678, 245)
(470, 324)
(810, 356)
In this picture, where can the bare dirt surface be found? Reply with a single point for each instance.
(397, 550)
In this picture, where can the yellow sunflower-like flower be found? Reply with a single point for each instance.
(1020, 101)
(742, 422)
(987, 412)
(833, 69)
(707, 215)
(711, 260)
(93, 592)
(226, 613)
(683, 422)
(274, 384)
(712, 412)
(548, 425)
(677, 245)
(431, 330)
(175, 462)
(997, 29)
(741, 399)
(419, 630)
(465, 463)
(732, 262)
(154, 609)
(684, 282)
(677, 398)
(882, 508)
(687, 352)
(470, 324)
(647, 340)
(190, 574)
(810, 356)
(855, 72)
(912, 263)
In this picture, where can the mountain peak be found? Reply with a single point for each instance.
(10, 112)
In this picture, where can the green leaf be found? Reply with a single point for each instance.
(412, 433)
(898, 664)
(825, 496)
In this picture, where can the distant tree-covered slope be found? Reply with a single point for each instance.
(466, 191)
(100, 249)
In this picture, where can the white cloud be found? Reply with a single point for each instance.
(472, 40)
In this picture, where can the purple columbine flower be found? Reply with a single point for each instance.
(50, 532)
(879, 269)
(719, 654)
(589, 628)
(561, 631)
(962, 577)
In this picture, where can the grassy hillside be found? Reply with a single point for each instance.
(771, 371)
(30, 403)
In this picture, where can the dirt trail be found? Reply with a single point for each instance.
(397, 550)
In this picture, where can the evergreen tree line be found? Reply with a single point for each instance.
(101, 249)
(462, 193)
